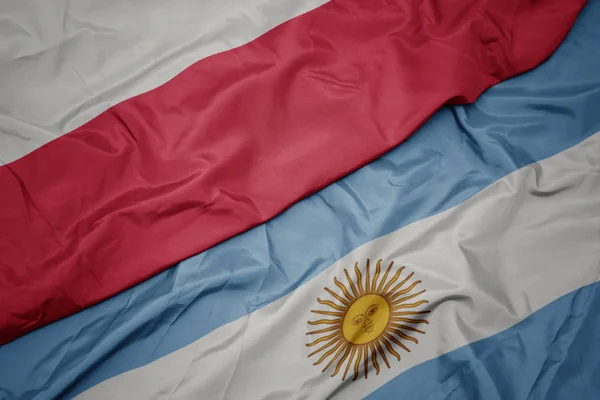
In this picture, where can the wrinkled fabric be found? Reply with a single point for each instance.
(65, 62)
(460, 151)
(550, 355)
(464, 274)
(238, 137)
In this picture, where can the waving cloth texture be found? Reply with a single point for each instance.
(238, 137)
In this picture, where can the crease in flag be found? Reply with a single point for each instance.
(241, 135)
(492, 207)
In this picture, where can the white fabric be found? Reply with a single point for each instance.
(487, 263)
(63, 62)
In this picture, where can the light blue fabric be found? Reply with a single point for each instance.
(553, 354)
(460, 151)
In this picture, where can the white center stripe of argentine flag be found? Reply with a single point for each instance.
(64, 62)
(487, 263)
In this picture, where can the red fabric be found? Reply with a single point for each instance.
(240, 136)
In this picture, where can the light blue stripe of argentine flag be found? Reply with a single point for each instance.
(457, 153)
(551, 355)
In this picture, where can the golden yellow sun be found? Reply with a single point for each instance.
(365, 319)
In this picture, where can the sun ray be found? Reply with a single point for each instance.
(344, 290)
(407, 290)
(395, 300)
(368, 278)
(385, 290)
(330, 313)
(339, 364)
(329, 352)
(377, 272)
(374, 358)
(324, 330)
(357, 363)
(326, 345)
(396, 341)
(399, 285)
(366, 360)
(409, 305)
(351, 283)
(350, 359)
(324, 338)
(399, 314)
(359, 280)
(409, 320)
(406, 327)
(404, 336)
(345, 302)
(335, 357)
(389, 346)
(385, 360)
(325, 321)
(331, 304)
(389, 268)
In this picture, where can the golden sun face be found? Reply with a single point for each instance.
(369, 317)
(366, 319)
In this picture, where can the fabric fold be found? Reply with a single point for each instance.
(238, 137)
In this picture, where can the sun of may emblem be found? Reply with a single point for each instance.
(366, 319)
